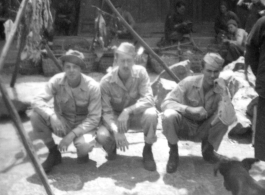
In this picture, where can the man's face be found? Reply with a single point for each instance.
(72, 71)
(210, 73)
(223, 9)
(125, 64)
(181, 9)
(232, 28)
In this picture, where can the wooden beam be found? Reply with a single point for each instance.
(25, 140)
(21, 46)
(143, 43)
(12, 33)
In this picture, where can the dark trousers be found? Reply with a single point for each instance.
(260, 130)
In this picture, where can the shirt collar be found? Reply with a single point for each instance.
(115, 77)
(198, 82)
(82, 84)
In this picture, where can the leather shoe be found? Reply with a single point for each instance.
(173, 159)
(148, 159)
(54, 158)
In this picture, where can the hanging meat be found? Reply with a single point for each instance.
(38, 18)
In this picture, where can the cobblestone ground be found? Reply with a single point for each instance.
(123, 176)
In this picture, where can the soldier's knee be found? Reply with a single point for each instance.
(169, 115)
(103, 135)
(35, 119)
(150, 114)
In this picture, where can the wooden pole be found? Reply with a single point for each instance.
(143, 43)
(54, 59)
(21, 46)
(12, 33)
(25, 140)
(12, 110)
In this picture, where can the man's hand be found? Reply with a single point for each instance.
(122, 121)
(66, 141)
(121, 141)
(57, 126)
(196, 113)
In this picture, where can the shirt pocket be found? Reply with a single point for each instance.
(63, 103)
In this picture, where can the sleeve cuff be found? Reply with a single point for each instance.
(78, 131)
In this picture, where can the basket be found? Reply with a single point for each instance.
(77, 43)
(28, 67)
(90, 62)
(48, 66)
(105, 62)
(168, 58)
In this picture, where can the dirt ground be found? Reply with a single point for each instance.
(123, 176)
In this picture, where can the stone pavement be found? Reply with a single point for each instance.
(123, 176)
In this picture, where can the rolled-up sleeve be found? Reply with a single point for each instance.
(40, 102)
(94, 111)
(175, 99)
(146, 99)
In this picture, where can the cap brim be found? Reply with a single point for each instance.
(73, 59)
(126, 54)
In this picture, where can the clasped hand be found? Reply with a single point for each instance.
(196, 113)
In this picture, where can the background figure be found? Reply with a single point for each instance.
(177, 27)
(235, 43)
(220, 24)
(117, 28)
(256, 10)
(255, 57)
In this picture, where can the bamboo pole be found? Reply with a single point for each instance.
(54, 59)
(143, 43)
(12, 33)
(21, 45)
(25, 140)
(12, 110)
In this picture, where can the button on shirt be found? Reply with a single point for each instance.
(189, 92)
(80, 106)
(136, 93)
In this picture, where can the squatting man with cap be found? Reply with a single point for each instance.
(127, 98)
(76, 113)
(198, 109)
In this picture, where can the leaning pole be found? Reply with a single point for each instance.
(143, 43)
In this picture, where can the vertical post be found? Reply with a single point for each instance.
(21, 45)
(12, 33)
(25, 140)
(143, 43)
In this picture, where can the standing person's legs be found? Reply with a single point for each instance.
(260, 130)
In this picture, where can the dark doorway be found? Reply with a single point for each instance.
(66, 16)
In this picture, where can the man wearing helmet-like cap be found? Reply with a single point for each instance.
(198, 109)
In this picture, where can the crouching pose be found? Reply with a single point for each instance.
(76, 112)
(198, 109)
(127, 98)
